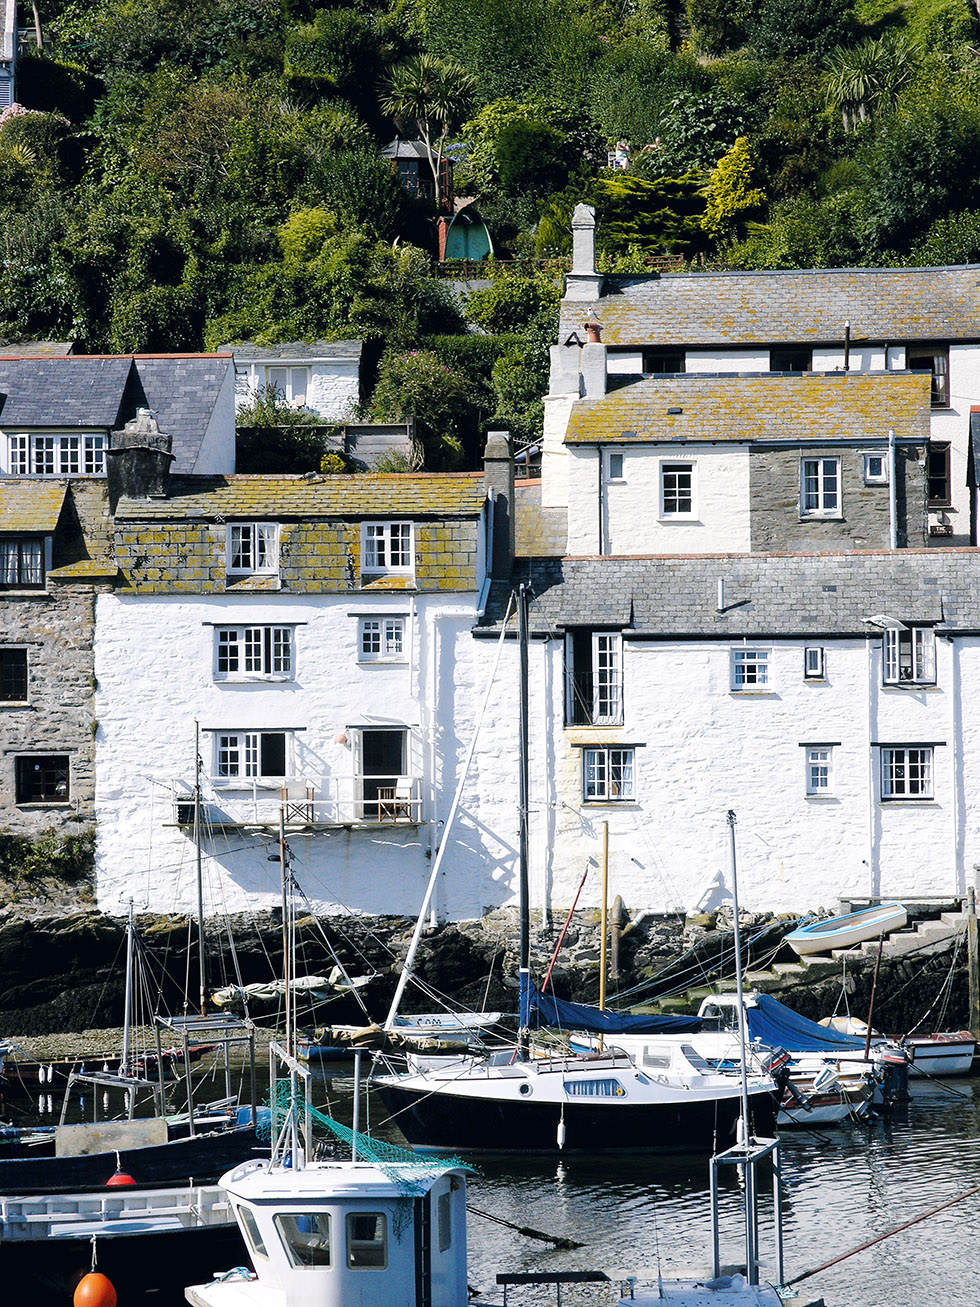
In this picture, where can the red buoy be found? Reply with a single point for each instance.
(119, 1178)
(94, 1290)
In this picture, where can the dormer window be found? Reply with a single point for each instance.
(253, 548)
(791, 358)
(935, 360)
(34, 454)
(386, 548)
(22, 563)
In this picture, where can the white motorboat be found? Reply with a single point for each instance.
(847, 930)
(947, 1053)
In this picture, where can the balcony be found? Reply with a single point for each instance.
(303, 803)
(594, 701)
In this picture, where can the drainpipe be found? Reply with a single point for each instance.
(847, 346)
(602, 524)
(892, 493)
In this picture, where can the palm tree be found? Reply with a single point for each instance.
(865, 79)
(435, 94)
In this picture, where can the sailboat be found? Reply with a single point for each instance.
(515, 1100)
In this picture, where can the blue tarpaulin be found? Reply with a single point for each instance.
(579, 1016)
(775, 1024)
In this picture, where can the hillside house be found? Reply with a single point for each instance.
(322, 375)
(8, 52)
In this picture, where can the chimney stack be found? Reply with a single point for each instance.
(583, 282)
(138, 463)
(498, 478)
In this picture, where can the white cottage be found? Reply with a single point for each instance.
(322, 375)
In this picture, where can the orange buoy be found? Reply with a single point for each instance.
(119, 1178)
(94, 1290)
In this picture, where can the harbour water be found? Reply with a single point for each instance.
(842, 1187)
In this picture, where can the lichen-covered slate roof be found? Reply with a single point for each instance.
(806, 306)
(758, 406)
(297, 497)
(247, 351)
(63, 391)
(765, 595)
(28, 505)
(538, 532)
(35, 348)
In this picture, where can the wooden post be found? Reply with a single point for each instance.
(972, 961)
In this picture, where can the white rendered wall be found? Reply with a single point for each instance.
(217, 453)
(631, 507)
(333, 384)
(554, 455)
(154, 659)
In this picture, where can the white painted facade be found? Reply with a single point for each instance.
(155, 665)
(329, 385)
(216, 454)
(634, 520)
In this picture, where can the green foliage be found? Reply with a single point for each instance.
(732, 201)
(951, 240)
(631, 87)
(790, 30)
(66, 858)
(416, 384)
(866, 80)
(697, 129)
(56, 86)
(654, 216)
(337, 54)
(804, 233)
(302, 235)
(273, 435)
(522, 302)
(717, 25)
(940, 24)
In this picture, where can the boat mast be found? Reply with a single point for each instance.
(524, 965)
(738, 983)
(200, 877)
(128, 1001)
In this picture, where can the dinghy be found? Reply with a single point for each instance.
(852, 928)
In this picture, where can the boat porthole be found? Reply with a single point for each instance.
(525, 1088)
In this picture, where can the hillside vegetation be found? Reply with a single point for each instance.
(191, 172)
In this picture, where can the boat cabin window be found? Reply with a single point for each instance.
(444, 1215)
(251, 1231)
(608, 1088)
(721, 1015)
(305, 1236)
(367, 1241)
(656, 1055)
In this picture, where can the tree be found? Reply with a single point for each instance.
(654, 216)
(434, 93)
(863, 80)
(416, 384)
(790, 29)
(731, 198)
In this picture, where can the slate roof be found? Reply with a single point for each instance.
(64, 392)
(806, 306)
(37, 348)
(181, 392)
(402, 149)
(296, 497)
(28, 505)
(760, 406)
(766, 595)
(295, 350)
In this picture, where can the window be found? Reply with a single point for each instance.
(367, 1241)
(906, 773)
(664, 360)
(13, 675)
(935, 360)
(382, 639)
(252, 1236)
(444, 1220)
(594, 678)
(291, 383)
(614, 466)
(820, 487)
(813, 663)
(875, 470)
(246, 755)
(909, 655)
(607, 775)
(43, 778)
(63, 455)
(938, 478)
(791, 358)
(676, 489)
(819, 773)
(253, 547)
(383, 790)
(21, 563)
(750, 669)
(387, 547)
(248, 651)
(305, 1237)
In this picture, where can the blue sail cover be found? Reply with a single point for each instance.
(579, 1016)
(775, 1024)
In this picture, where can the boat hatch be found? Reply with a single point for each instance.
(608, 1087)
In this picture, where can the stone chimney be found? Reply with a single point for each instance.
(583, 282)
(498, 478)
(138, 463)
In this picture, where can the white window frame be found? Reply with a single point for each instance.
(252, 549)
(673, 467)
(877, 477)
(817, 498)
(814, 663)
(254, 653)
(745, 660)
(908, 655)
(382, 639)
(57, 454)
(238, 757)
(907, 773)
(599, 763)
(819, 764)
(291, 381)
(615, 465)
(387, 549)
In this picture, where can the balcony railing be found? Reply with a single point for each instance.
(357, 801)
(594, 702)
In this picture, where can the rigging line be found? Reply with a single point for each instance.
(333, 952)
(945, 986)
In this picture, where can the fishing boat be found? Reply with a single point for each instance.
(947, 1053)
(847, 930)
